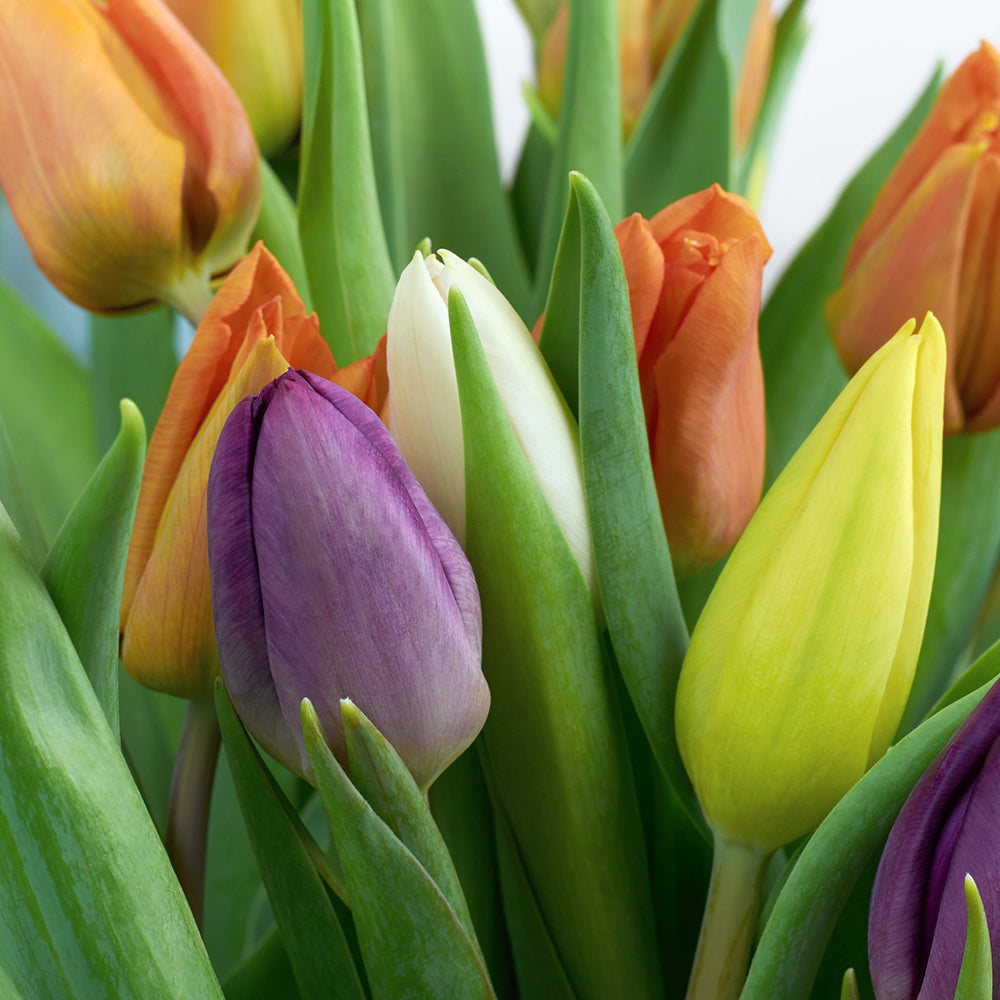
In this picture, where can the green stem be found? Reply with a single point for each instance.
(720, 964)
(186, 836)
(190, 294)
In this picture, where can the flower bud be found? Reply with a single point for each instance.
(423, 405)
(254, 329)
(930, 242)
(800, 664)
(258, 46)
(333, 577)
(128, 162)
(694, 279)
(946, 830)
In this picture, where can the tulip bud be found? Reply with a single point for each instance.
(333, 577)
(930, 242)
(258, 46)
(128, 162)
(694, 279)
(254, 329)
(946, 830)
(423, 406)
(800, 664)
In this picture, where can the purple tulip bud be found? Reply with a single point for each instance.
(334, 577)
(949, 827)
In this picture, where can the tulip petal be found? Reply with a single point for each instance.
(644, 269)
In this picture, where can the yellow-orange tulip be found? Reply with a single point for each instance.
(128, 162)
(930, 242)
(258, 46)
(694, 279)
(254, 330)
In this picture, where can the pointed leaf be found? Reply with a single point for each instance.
(553, 739)
(89, 906)
(413, 943)
(849, 986)
(14, 497)
(85, 568)
(340, 227)
(278, 226)
(314, 940)
(975, 980)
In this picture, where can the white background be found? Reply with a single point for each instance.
(864, 64)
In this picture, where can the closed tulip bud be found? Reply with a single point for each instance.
(423, 406)
(694, 279)
(931, 242)
(128, 162)
(801, 662)
(258, 46)
(254, 330)
(333, 577)
(946, 831)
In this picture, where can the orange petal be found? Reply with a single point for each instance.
(643, 271)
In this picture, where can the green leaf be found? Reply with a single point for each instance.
(849, 986)
(802, 374)
(553, 739)
(682, 142)
(45, 402)
(589, 132)
(985, 669)
(968, 545)
(528, 193)
(412, 941)
(131, 357)
(433, 138)
(388, 787)
(975, 980)
(14, 497)
(266, 972)
(802, 920)
(314, 939)
(340, 226)
(85, 568)
(278, 226)
(89, 906)
(636, 576)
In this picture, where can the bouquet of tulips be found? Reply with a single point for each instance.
(506, 605)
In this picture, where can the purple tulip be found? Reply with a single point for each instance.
(334, 577)
(949, 826)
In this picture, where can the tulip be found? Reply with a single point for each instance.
(694, 279)
(128, 162)
(648, 31)
(258, 46)
(946, 830)
(801, 662)
(930, 242)
(255, 329)
(333, 577)
(423, 405)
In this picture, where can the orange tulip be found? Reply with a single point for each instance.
(694, 279)
(930, 242)
(648, 30)
(254, 330)
(128, 162)
(258, 46)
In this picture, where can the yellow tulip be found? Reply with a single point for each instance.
(801, 662)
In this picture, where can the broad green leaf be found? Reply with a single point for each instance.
(975, 980)
(14, 497)
(803, 918)
(278, 226)
(412, 941)
(968, 545)
(985, 669)
(85, 568)
(89, 906)
(553, 739)
(682, 142)
(45, 403)
(384, 781)
(802, 375)
(589, 134)
(314, 939)
(340, 227)
(432, 133)
(528, 194)
(265, 972)
(131, 357)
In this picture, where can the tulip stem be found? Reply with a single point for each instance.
(186, 836)
(190, 295)
(720, 963)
